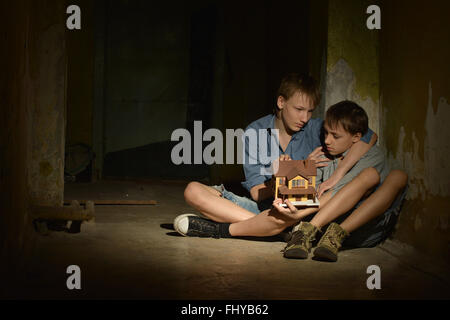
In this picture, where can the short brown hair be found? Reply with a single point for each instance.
(350, 115)
(304, 83)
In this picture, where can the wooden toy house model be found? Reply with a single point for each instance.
(296, 180)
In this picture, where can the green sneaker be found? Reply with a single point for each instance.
(328, 246)
(301, 242)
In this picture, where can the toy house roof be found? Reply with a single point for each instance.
(292, 168)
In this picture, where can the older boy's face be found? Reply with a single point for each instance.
(296, 111)
(338, 140)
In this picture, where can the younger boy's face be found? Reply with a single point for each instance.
(337, 140)
(296, 111)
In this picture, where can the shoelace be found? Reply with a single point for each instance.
(207, 226)
(332, 241)
(298, 238)
(204, 223)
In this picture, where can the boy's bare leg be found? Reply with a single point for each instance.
(271, 222)
(209, 202)
(346, 198)
(267, 223)
(378, 202)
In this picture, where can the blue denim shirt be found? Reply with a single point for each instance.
(301, 145)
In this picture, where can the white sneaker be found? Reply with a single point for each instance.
(181, 224)
(194, 226)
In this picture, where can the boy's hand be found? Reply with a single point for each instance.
(284, 157)
(317, 156)
(290, 211)
(327, 185)
(276, 163)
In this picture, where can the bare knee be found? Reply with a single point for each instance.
(370, 177)
(398, 178)
(192, 192)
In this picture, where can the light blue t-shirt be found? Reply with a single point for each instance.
(301, 145)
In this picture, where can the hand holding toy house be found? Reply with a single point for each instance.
(295, 180)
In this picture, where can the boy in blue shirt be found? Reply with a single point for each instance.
(298, 138)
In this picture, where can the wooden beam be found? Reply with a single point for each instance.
(117, 202)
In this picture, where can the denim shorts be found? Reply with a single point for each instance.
(376, 230)
(244, 202)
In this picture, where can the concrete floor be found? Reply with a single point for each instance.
(132, 252)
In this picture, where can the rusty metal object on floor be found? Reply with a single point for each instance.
(72, 212)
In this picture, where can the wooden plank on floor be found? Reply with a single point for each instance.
(116, 202)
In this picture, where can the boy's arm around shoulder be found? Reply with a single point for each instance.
(355, 153)
(374, 158)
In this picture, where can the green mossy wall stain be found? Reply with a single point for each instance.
(45, 168)
(349, 39)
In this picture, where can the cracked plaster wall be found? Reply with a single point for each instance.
(352, 58)
(414, 95)
(400, 76)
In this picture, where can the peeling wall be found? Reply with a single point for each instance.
(437, 147)
(352, 58)
(341, 85)
(400, 75)
(429, 175)
(415, 93)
